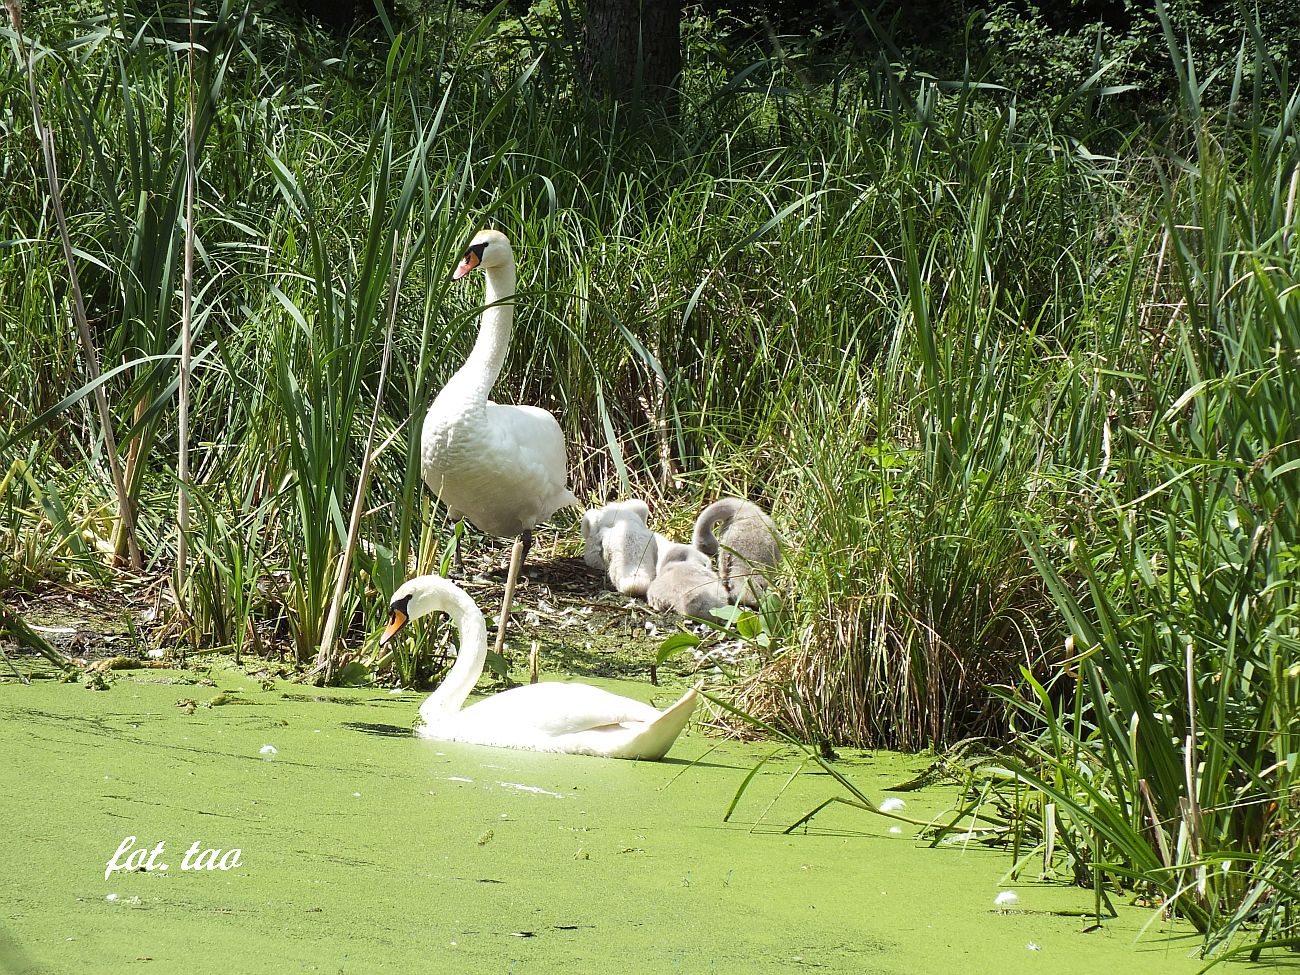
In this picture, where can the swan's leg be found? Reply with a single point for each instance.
(517, 553)
(527, 539)
(459, 531)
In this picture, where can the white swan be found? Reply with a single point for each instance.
(503, 467)
(547, 717)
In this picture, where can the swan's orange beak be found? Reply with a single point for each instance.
(396, 621)
(467, 263)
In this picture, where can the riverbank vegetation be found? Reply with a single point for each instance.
(1010, 354)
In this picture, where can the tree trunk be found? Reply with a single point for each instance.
(632, 50)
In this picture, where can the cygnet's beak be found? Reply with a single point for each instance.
(396, 620)
(467, 263)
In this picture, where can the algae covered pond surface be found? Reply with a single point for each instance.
(364, 849)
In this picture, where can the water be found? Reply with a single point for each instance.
(363, 849)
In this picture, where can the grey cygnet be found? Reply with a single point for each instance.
(748, 546)
(684, 582)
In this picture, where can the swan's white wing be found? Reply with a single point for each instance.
(505, 473)
(533, 443)
(551, 709)
(649, 741)
(533, 431)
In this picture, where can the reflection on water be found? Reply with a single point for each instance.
(384, 730)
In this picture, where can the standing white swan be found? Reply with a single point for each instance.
(503, 467)
(549, 717)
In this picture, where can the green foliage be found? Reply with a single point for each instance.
(1027, 53)
(996, 387)
(1051, 47)
(1162, 752)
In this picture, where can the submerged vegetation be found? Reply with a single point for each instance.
(1019, 381)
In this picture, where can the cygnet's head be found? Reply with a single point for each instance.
(595, 522)
(488, 249)
(674, 553)
(419, 597)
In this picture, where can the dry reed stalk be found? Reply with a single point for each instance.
(1162, 847)
(89, 350)
(327, 661)
(654, 413)
(1192, 804)
(179, 586)
(128, 474)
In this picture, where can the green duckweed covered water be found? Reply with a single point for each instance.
(364, 849)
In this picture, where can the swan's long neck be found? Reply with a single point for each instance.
(703, 537)
(464, 673)
(478, 375)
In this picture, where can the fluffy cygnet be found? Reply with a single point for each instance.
(684, 581)
(748, 546)
(617, 539)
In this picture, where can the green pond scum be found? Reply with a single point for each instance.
(309, 831)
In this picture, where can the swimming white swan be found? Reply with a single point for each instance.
(503, 467)
(547, 717)
(748, 547)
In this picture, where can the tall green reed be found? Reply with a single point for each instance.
(1168, 747)
(680, 292)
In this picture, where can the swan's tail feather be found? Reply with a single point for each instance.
(560, 499)
(653, 743)
(566, 499)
